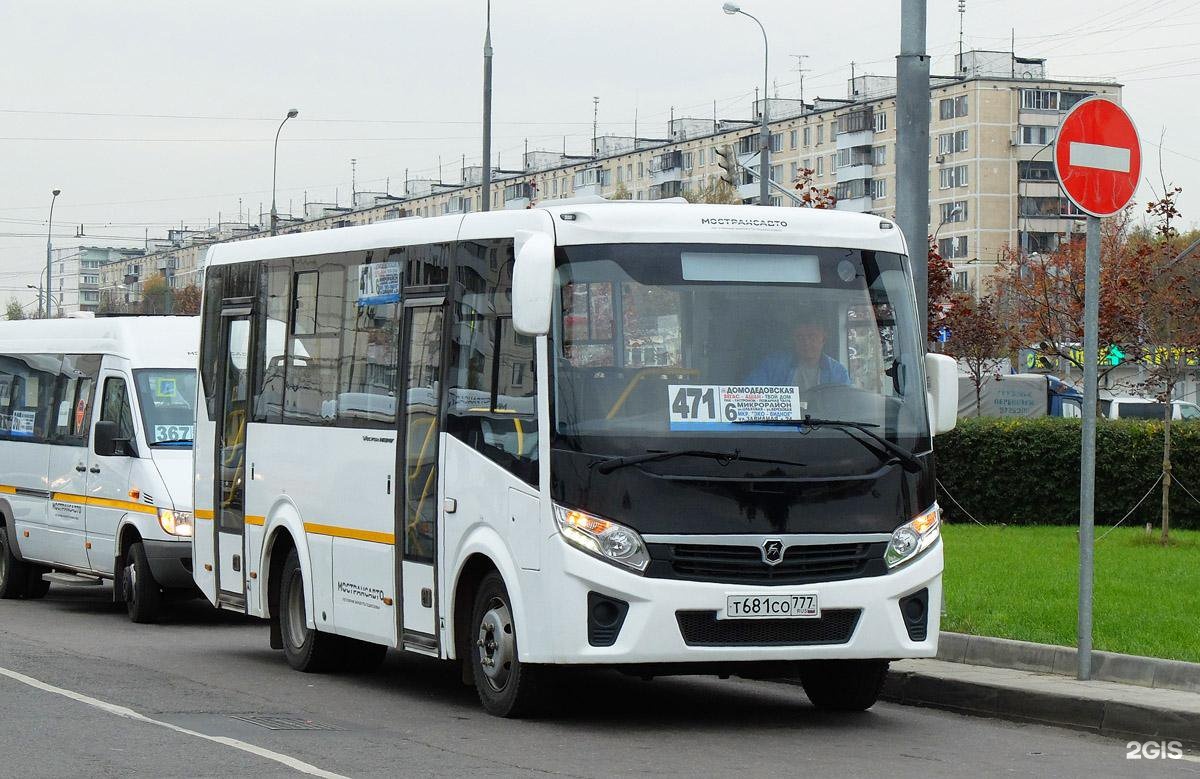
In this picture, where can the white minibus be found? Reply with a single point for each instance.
(96, 424)
(659, 437)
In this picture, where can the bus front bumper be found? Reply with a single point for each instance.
(672, 621)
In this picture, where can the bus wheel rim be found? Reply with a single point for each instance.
(297, 632)
(129, 583)
(3, 557)
(496, 644)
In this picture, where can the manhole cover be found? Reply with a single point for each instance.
(271, 722)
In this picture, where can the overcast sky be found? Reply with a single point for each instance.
(149, 114)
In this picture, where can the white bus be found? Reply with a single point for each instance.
(96, 423)
(574, 435)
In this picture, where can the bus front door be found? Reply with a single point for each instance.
(418, 512)
(230, 497)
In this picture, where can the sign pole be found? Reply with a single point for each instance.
(1087, 458)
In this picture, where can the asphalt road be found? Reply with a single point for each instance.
(84, 692)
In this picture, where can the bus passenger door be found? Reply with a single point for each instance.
(418, 512)
(230, 449)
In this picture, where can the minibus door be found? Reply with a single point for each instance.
(230, 450)
(417, 514)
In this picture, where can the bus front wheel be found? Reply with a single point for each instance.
(506, 686)
(13, 572)
(307, 649)
(843, 685)
(143, 596)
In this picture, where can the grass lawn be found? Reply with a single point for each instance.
(1022, 582)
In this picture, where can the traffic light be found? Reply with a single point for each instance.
(727, 162)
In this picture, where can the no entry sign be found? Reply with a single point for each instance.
(1098, 157)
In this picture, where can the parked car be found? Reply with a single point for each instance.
(1145, 408)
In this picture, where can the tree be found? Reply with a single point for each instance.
(978, 337)
(812, 196)
(14, 310)
(941, 289)
(720, 191)
(1165, 295)
(621, 192)
(187, 300)
(156, 295)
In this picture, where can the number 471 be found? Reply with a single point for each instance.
(688, 399)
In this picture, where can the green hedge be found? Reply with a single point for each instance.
(1026, 471)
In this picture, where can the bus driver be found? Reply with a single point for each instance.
(806, 365)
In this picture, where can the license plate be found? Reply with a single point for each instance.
(771, 606)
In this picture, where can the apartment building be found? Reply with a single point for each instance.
(992, 179)
(77, 275)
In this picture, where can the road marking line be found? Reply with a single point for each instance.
(1094, 155)
(121, 711)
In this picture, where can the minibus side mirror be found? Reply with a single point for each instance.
(942, 397)
(533, 282)
(107, 443)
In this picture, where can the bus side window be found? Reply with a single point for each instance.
(115, 407)
(493, 386)
(25, 396)
(74, 395)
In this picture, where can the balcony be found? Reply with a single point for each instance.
(666, 167)
(849, 140)
(665, 190)
(518, 195)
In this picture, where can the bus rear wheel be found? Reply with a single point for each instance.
(35, 586)
(843, 685)
(506, 686)
(307, 649)
(14, 574)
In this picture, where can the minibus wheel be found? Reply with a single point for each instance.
(506, 686)
(143, 596)
(306, 649)
(843, 685)
(13, 572)
(35, 586)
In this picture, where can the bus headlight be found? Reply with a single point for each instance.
(177, 523)
(603, 538)
(912, 538)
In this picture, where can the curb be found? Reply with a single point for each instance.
(1060, 660)
(1017, 702)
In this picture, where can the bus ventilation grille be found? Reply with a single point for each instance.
(702, 628)
(801, 564)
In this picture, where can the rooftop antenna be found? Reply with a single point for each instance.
(353, 180)
(1012, 50)
(635, 135)
(801, 70)
(962, 12)
(595, 126)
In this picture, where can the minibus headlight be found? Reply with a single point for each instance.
(912, 538)
(177, 523)
(601, 537)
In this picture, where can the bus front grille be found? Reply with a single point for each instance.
(801, 564)
(702, 628)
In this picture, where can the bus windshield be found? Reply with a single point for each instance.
(661, 347)
(167, 397)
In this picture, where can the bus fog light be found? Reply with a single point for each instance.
(177, 523)
(601, 537)
(912, 538)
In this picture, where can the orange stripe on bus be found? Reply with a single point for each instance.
(349, 532)
(254, 519)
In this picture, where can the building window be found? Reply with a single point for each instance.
(820, 134)
(952, 107)
(953, 248)
(955, 211)
(776, 141)
(807, 164)
(1035, 170)
(776, 173)
(949, 143)
(702, 157)
(795, 170)
(792, 139)
(1046, 207)
(1037, 135)
(960, 282)
(879, 155)
(807, 136)
(880, 121)
(1039, 100)
(832, 130)
(879, 189)
(953, 177)
(641, 169)
(820, 166)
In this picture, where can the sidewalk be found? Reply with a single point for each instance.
(1036, 688)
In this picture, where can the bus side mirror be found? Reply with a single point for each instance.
(942, 372)
(533, 283)
(108, 445)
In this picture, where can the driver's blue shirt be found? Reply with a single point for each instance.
(778, 370)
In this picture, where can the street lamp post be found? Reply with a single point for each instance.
(764, 163)
(292, 114)
(49, 230)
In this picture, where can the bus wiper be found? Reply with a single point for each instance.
(722, 458)
(173, 441)
(906, 458)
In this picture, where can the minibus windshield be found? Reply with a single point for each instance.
(167, 397)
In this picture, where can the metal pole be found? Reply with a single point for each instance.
(1087, 454)
(49, 232)
(486, 204)
(275, 168)
(912, 146)
(764, 158)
